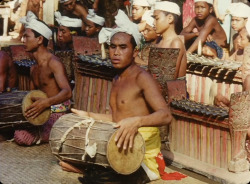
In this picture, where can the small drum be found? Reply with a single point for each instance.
(11, 110)
(41, 118)
(81, 140)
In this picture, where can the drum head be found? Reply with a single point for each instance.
(41, 118)
(126, 162)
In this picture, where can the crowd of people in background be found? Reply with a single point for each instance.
(138, 25)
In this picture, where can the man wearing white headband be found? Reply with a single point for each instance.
(148, 30)
(138, 9)
(94, 24)
(240, 13)
(68, 27)
(71, 7)
(47, 75)
(133, 87)
(208, 29)
(166, 15)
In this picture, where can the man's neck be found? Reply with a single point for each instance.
(126, 71)
(40, 54)
(169, 34)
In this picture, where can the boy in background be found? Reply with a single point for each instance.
(208, 29)
(240, 13)
(68, 27)
(94, 24)
(166, 15)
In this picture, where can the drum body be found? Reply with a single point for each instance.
(68, 138)
(11, 110)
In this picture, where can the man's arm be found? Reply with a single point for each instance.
(40, 104)
(98, 116)
(181, 64)
(246, 59)
(161, 115)
(206, 30)
(187, 31)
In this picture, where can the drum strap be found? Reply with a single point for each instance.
(90, 150)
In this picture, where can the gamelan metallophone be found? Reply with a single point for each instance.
(208, 77)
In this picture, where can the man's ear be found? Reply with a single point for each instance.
(136, 51)
(170, 18)
(40, 40)
(211, 9)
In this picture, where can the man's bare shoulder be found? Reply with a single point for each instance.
(211, 20)
(177, 43)
(54, 63)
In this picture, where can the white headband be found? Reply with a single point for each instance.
(124, 25)
(63, 1)
(168, 7)
(238, 10)
(208, 1)
(66, 21)
(147, 16)
(248, 26)
(30, 21)
(141, 3)
(95, 18)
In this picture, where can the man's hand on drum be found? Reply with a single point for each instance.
(80, 112)
(127, 131)
(37, 107)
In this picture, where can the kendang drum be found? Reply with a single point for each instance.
(79, 140)
(27, 101)
(11, 110)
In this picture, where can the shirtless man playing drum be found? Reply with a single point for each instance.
(136, 101)
(48, 75)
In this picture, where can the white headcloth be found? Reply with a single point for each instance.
(30, 21)
(238, 10)
(208, 1)
(147, 16)
(248, 26)
(124, 25)
(66, 21)
(63, 1)
(168, 7)
(95, 18)
(141, 3)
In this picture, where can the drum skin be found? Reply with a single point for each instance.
(41, 118)
(67, 143)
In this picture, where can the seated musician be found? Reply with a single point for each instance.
(47, 75)
(8, 73)
(239, 13)
(208, 29)
(94, 24)
(166, 15)
(244, 44)
(68, 27)
(136, 101)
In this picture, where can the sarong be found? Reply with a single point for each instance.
(40, 134)
(216, 47)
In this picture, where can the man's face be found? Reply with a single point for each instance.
(202, 10)
(29, 40)
(243, 40)
(70, 5)
(91, 29)
(121, 51)
(238, 23)
(161, 21)
(137, 12)
(149, 33)
(63, 35)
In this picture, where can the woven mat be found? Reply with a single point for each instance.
(36, 165)
(32, 165)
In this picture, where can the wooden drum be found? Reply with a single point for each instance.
(83, 141)
(27, 101)
(11, 110)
